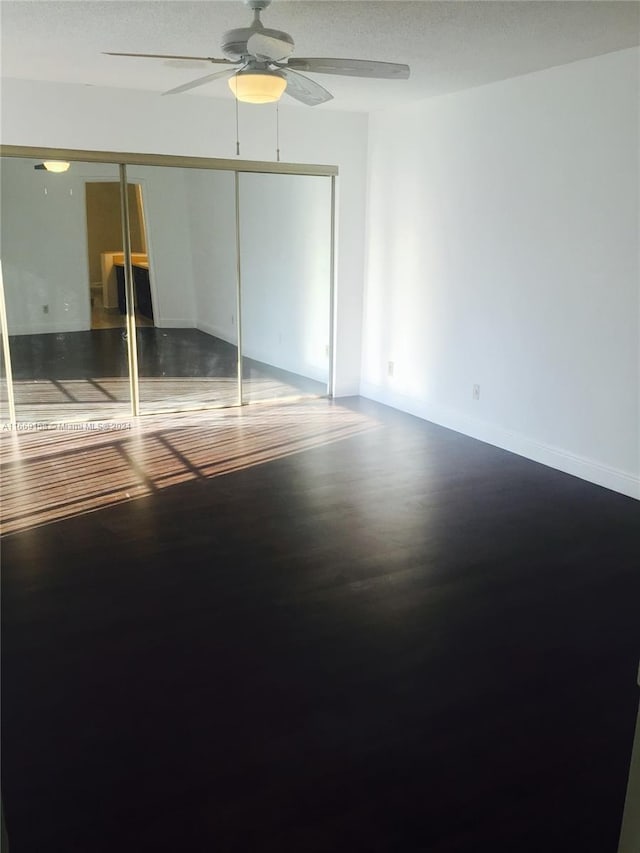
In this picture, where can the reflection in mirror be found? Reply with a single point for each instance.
(188, 356)
(67, 365)
(106, 266)
(66, 306)
(285, 251)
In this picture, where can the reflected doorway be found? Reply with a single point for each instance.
(106, 256)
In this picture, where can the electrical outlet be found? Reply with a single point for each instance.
(45, 309)
(390, 367)
(476, 392)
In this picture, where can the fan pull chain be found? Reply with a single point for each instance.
(277, 133)
(237, 130)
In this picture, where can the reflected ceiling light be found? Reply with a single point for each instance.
(53, 166)
(258, 87)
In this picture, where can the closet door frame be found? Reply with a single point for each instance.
(122, 160)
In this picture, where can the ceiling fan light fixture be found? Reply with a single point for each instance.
(258, 87)
(56, 166)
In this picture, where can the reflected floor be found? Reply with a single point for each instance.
(110, 318)
(75, 375)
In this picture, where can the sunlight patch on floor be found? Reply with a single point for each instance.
(78, 399)
(55, 473)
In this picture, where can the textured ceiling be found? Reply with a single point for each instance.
(449, 45)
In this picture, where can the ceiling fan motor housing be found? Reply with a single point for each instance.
(269, 57)
(234, 42)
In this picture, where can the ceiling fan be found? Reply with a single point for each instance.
(263, 67)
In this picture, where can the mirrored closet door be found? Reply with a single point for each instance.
(285, 256)
(216, 293)
(61, 239)
(185, 289)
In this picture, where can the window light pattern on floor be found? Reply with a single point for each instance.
(68, 399)
(53, 474)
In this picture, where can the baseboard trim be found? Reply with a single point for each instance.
(49, 328)
(347, 389)
(216, 331)
(174, 323)
(257, 355)
(554, 457)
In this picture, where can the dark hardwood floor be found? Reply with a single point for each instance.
(72, 375)
(102, 353)
(394, 638)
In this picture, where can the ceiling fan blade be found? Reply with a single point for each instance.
(351, 67)
(168, 56)
(268, 47)
(199, 82)
(305, 90)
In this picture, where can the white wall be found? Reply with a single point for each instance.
(285, 250)
(502, 250)
(212, 227)
(44, 245)
(85, 117)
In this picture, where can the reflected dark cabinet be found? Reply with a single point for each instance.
(142, 289)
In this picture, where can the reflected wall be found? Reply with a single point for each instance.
(285, 257)
(188, 357)
(63, 368)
